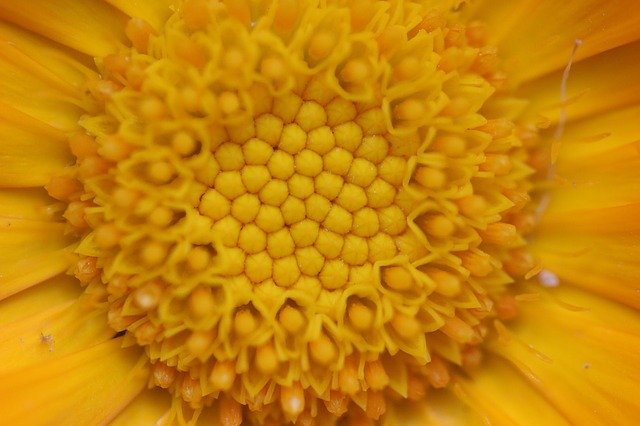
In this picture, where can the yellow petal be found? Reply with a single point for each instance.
(597, 141)
(52, 333)
(65, 64)
(605, 265)
(32, 251)
(58, 290)
(581, 352)
(27, 203)
(88, 26)
(88, 387)
(154, 12)
(148, 408)
(502, 396)
(442, 408)
(537, 35)
(599, 84)
(28, 159)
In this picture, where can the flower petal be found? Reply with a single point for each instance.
(88, 26)
(604, 265)
(27, 203)
(442, 408)
(27, 157)
(53, 333)
(491, 390)
(154, 12)
(86, 387)
(537, 36)
(148, 408)
(58, 290)
(599, 84)
(582, 356)
(33, 251)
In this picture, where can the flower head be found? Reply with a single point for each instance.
(299, 211)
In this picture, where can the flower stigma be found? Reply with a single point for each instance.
(302, 210)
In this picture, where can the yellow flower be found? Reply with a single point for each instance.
(319, 212)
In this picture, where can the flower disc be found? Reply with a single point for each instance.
(301, 207)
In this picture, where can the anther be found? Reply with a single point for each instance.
(148, 296)
(199, 342)
(446, 283)
(64, 188)
(291, 319)
(273, 68)
(397, 278)
(153, 253)
(115, 149)
(337, 404)
(348, 378)
(160, 172)
(438, 226)
(323, 350)
(437, 373)
(355, 70)
(266, 359)
(228, 102)
(321, 45)
(360, 316)
(375, 375)
(163, 375)
(184, 144)
(244, 322)
(409, 110)
(500, 233)
(406, 326)
(458, 330)
(472, 205)
(152, 108)
(430, 178)
(201, 302)
(223, 375)
(198, 258)
(292, 399)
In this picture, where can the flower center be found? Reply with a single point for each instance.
(301, 209)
